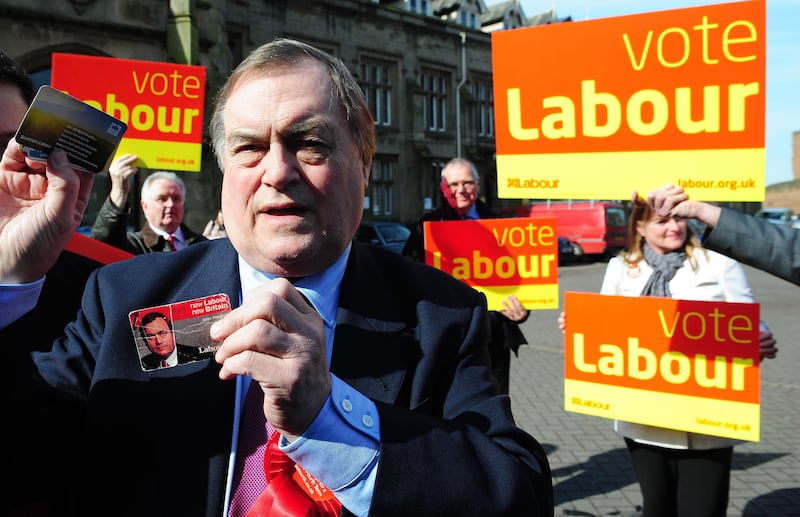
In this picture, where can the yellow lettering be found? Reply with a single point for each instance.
(578, 356)
(737, 95)
(515, 118)
(590, 101)
(635, 355)
(613, 363)
(683, 111)
(669, 332)
(727, 40)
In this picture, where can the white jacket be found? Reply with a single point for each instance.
(718, 278)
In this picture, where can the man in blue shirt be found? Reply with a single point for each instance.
(374, 370)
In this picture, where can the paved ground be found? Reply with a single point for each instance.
(592, 475)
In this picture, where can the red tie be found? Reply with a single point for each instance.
(266, 481)
(291, 490)
(171, 241)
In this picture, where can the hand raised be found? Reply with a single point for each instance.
(278, 339)
(120, 171)
(41, 205)
(513, 309)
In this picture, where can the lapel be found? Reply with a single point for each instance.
(207, 269)
(374, 342)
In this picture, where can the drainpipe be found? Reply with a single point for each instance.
(182, 35)
(458, 91)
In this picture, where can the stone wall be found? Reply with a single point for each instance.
(784, 195)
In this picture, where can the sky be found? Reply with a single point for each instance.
(783, 62)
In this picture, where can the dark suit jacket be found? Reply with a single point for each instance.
(758, 243)
(408, 336)
(36, 460)
(111, 227)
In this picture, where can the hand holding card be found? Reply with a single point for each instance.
(89, 136)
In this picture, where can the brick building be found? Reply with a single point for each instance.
(787, 193)
(425, 67)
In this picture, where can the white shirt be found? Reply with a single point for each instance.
(178, 241)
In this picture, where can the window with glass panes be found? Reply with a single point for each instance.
(376, 81)
(381, 185)
(484, 108)
(420, 6)
(436, 179)
(434, 88)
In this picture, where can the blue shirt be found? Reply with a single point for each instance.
(346, 432)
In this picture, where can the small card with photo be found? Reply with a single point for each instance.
(177, 333)
(89, 136)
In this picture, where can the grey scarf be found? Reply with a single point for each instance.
(664, 268)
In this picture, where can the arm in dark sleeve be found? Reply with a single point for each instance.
(414, 247)
(111, 226)
(758, 243)
(460, 451)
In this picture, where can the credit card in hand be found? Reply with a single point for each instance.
(89, 136)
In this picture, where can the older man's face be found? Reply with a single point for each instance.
(293, 187)
(460, 189)
(165, 206)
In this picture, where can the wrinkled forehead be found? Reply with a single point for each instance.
(459, 172)
(286, 95)
(311, 70)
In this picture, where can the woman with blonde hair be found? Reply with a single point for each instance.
(679, 473)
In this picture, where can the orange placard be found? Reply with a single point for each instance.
(679, 364)
(499, 257)
(633, 102)
(162, 103)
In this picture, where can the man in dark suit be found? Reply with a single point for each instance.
(372, 370)
(461, 186)
(162, 201)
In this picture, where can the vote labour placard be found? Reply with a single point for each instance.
(600, 108)
(499, 257)
(162, 103)
(686, 365)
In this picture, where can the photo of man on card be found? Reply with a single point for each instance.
(155, 329)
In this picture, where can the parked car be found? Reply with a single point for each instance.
(777, 215)
(389, 234)
(568, 251)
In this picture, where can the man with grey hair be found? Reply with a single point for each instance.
(461, 187)
(162, 201)
(348, 381)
